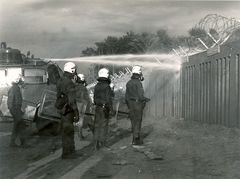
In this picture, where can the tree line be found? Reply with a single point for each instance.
(141, 43)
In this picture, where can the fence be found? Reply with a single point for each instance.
(210, 86)
(164, 89)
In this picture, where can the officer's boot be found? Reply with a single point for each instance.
(105, 145)
(134, 141)
(140, 141)
(97, 145)
(137, 141)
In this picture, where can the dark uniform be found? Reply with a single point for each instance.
(69, 113)
(82, 92)
(14, 103)
(135, 101)
(84, 102)
(103, 101)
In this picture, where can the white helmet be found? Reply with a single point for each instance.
(137, 69)
(70, 67)
(81, 76)
(104, 72)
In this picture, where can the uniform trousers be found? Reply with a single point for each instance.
(135, 114)
(101, 124)
(18, 126)
(68, 144)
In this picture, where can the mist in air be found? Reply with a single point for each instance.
(159, 61)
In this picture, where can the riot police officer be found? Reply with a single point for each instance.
(14, 103)
(136, 101)
(103, 101)
(83, 103)
(67, 107)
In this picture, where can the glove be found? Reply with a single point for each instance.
(146, 100)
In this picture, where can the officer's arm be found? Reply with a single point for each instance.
(126, 93)
(140, 91)
(10, 98)
(72, 100)
(94, 96)
(18, 97)
(72, 96)
(109, 95)
(58, 89)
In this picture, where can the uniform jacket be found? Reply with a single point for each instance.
(103, 93)
(82, 93)
(14, 97)
(65, 86)
(134, 89)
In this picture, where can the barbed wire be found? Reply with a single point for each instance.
(222, 25)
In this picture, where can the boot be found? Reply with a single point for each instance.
(134, 141)
(97, 145)
(137, 141)
(105, 146)
(140, 141)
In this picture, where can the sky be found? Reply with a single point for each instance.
(63, 28)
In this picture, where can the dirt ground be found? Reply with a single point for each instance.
(190, 150)
(174, 149)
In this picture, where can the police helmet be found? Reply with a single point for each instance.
(70, 67)
(137, 69)
(103, 72)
